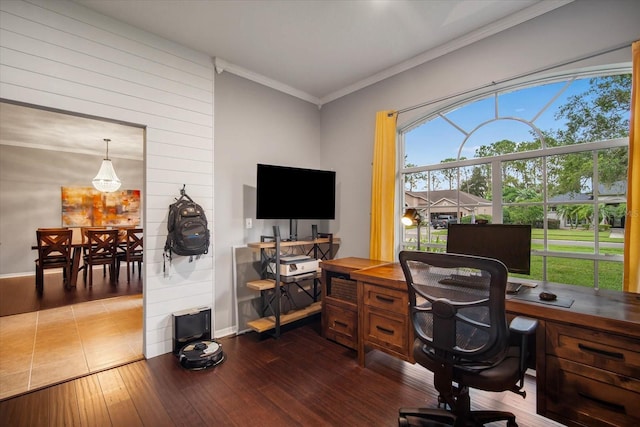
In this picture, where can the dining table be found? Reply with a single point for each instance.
(77, 246)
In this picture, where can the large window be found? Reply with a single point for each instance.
(552, 154)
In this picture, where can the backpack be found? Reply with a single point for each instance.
(188, 232)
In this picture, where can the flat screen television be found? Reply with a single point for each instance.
(509, 243)
(294, 193)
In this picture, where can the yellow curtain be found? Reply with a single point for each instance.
(383, 186)
(632, 223)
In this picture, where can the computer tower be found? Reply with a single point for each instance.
(191, 325)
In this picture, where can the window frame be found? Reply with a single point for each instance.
(496, 163)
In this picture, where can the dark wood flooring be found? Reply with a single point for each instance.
(299, 379)
(19, 295)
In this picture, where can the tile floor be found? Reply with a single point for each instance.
(49, 346)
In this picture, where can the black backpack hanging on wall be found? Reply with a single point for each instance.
(187, 226)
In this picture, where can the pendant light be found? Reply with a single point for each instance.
(106, 180)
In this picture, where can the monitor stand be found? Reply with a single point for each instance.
(293, 230)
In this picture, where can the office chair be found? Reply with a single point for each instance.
(457, 309)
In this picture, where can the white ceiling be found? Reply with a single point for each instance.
(320, 50)
(42, 129)
(317, 50)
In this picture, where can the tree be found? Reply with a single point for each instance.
(525, 214)
(476, 184)
(449, 174)
(495, 149)
(411, 180)
(570, 213)
(600, 113)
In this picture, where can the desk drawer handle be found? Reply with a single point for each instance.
(598, 351)
(608, 405)
(339, 323)
(385, 299)
(385, 330)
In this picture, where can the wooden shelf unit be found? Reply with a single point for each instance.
(270, 248)
(265, 324)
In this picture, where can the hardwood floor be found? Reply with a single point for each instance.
(299, 379)
(18, 294)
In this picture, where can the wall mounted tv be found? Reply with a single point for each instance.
(293, 193)
(509, 243)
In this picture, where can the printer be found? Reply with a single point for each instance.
(296, 265)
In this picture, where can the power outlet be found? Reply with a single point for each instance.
(248, 223)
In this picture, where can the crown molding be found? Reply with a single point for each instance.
(221, 66)
(512, 20)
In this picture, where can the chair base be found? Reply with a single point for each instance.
(440, 417)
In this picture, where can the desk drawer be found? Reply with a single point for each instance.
(591, 396)
(386, 299)
(598, 349)
(388, 330)
(342, 325)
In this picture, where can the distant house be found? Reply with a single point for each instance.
(608, 194)
(448, 202)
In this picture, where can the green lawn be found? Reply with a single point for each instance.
(567, 270)
(577, 235)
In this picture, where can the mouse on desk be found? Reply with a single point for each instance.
(547, 296)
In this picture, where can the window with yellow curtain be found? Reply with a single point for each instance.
(553, 154)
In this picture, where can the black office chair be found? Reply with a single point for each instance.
(457, 305)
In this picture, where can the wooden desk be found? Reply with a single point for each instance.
(587, 356)
(339, 299)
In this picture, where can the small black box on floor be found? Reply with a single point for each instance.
(191, 325)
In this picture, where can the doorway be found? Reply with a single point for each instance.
(42, 150)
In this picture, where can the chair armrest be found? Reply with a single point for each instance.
(523, 325)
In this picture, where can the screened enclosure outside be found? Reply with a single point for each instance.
(552, 155)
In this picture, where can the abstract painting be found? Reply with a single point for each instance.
(88, 207)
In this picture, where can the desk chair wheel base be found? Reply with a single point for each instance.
(423, 417)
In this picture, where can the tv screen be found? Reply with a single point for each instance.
(293, 193)
(508, 243)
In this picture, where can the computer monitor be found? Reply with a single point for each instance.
(509, 243)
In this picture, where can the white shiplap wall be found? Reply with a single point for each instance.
(61, 55)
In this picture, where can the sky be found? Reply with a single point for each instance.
(438, 139)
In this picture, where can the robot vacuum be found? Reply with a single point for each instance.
(199, 355)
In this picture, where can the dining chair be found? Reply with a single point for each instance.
(101, 247)
(133, 252)
(54, 251)
(85, 246)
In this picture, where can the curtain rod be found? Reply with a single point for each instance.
(494, 83)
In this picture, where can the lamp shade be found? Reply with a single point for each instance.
(411, 217)
(106, 180)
